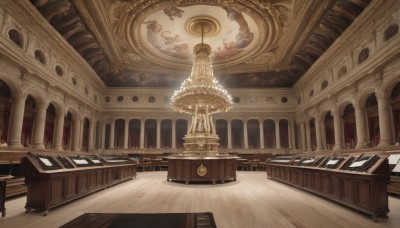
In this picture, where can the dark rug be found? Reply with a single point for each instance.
(162, 220)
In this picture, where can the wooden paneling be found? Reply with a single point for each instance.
(361, 190)
(50, 188)
(186, 169)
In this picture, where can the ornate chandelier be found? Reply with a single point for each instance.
(201, 89)
(201, 95)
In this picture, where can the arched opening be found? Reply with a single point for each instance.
(40, 56)
(371, 106)
(329, 131)
(49, 126)
(15, 37)
(98, 135)
(85, 136)
(364, 54)
(166, 134)
(27, 124)
(66, 139)
(134, 133)
(284, 133)
(150, 133)
(181, 130)
(313, 134)
(237, 134)
(390, 32)
(395, 102)
(349, 127)
(253, 133)
(119, 133)
(269, 134)
(5, 111)
(324, 84)
(107, 136)
(222, 132)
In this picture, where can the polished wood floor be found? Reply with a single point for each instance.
(251, 201)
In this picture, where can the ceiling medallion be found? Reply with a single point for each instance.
(202, 24)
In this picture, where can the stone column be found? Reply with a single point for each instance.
(229, 133)
(58, 130)
(112, 134)
(385, 126)
(303, 135)
(261, 123)
(318, 133)
(103, 134)
(173, 134)
(246, 142)
(126, 134)
(308, 132)
(337, 122)
(361, 125)
(91, 134)
(40, 122)
(158, 140)
(16, 120)
(75, 134)
(277, 134)
(142, 133)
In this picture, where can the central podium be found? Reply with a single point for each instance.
(201, 168)
(201, 95)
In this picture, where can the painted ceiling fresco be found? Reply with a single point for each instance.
(163, 33)
(141, 43)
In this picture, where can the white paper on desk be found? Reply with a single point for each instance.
(396, 168)
(393, 159)
(357, 164)
(332, 162)
(46, 161)
(80, 161)
(95, 161)
(308, 161)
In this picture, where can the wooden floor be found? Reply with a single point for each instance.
(251, 201)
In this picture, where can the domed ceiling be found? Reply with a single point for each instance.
(256, 43)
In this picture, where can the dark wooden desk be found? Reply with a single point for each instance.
(163, 220)
(3, 185)
(192, 168)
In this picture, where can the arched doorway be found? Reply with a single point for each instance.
(150, 133)
(5, 111)
(329, 131)
(166, 134)
(181, 130)
(222, 132)
(66, 140)
(395, 102)
(253, 133)
(371, 107)
(284, 133)
(349, 127)
(134, 133)
(49, 126)
(237, 134)
(119, 134)
(269, 134)
(28, 121)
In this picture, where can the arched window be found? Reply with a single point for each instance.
(364, 54)
(390, 32)
(15, 37)
(40, 56)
